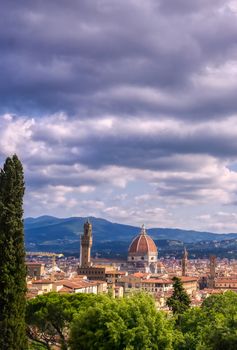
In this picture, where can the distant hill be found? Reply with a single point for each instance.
(57, 234)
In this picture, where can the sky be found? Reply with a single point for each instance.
(125, 110)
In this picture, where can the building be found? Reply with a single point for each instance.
(75, 285)
(142, 253)
(92, 272)
(226, 283)
(190, 284)
(145, 282)
(161, 268)
(45, 286)
(35, 270)
(86, 244)
(85, 267)
(212, 275)
(184, 262)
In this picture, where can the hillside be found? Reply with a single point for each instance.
(62, 234)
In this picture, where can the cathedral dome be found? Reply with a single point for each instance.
(142, 244)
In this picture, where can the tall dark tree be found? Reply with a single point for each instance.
(12, 257)
(179, 301)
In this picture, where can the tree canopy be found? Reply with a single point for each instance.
(87, 321)
(128, 323)
(49, 317)
(98, 322)
(213, 326)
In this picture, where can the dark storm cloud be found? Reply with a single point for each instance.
(70, 56)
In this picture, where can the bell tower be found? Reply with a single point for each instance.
(86, 244)
(212, 271)
(184, 262)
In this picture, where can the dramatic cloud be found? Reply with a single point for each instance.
(102, 56)
(123, 109)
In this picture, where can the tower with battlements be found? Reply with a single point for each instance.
(86, 268)
(85, 246)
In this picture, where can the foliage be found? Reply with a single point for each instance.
(12, 257)
(213, 326)
(221, 313)
(87, 321)
(36, 346)
(179, 302)
(99, 322)
(128, 323)
(48, 317)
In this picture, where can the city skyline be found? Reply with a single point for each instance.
(123, 110)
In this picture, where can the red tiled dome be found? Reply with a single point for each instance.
(142, 244)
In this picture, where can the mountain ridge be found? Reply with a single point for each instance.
(62, 235)
(54, 228)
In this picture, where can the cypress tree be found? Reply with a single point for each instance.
(12, 257)
(179, 301)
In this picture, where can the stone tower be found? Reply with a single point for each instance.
(86, 244)
(212, 271)
(184, 262)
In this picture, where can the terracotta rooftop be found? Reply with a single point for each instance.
(188, 279)
(141, 274)
(34, 263)
(154, 280)
(225, 280)
(42, 282)
(142, 244)
(211, 291)
(72, 284)
(65, 290)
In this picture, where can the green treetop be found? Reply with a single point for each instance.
(213, 326)
(127, 323)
